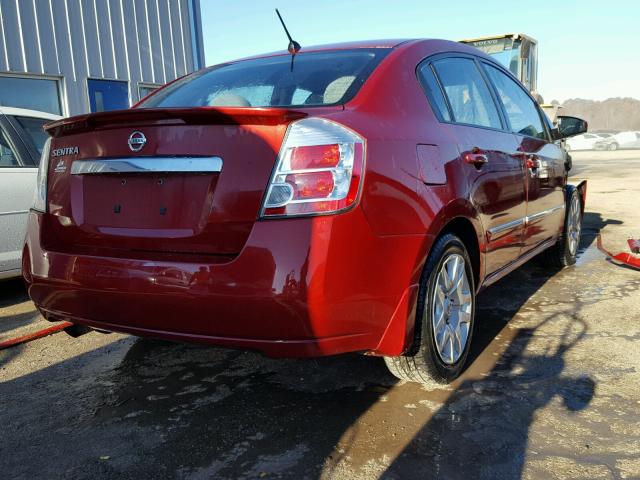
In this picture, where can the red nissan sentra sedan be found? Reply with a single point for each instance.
(353, 197)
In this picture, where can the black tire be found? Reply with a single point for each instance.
(423, 364)
(562, 254)
(613, 147)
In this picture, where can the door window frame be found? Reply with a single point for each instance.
(479, 61)
(447, 55)
(16, 144)
(536, 106)
(34, 155)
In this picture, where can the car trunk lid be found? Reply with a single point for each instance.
(170, 181)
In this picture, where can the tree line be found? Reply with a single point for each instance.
(618, 114)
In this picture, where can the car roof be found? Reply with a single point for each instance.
(435, 43)
(382, 43)
(23, 112)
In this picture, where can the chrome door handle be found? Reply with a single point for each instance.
(476, 158)
(532, 162)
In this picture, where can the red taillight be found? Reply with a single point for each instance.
(315, 156)
(319, 170)
(310, 185)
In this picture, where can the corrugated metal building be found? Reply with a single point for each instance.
(74, 56)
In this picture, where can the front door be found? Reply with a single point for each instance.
(545, 194)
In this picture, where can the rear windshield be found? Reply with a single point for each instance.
(306, 79)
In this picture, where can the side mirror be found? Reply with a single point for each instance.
(569, 127)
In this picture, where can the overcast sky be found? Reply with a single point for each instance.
(587, 49)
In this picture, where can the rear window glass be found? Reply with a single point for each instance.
(308, 79)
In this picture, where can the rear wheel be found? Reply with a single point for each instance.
(564, 252)
(444, 318)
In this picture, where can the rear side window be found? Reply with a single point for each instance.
(467, 92)
(522, 113)
(308, 79)
(434, 93)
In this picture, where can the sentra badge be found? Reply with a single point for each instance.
(60, 152)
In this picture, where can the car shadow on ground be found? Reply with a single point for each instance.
(592, 224)
(482, 430)
(140, 408)
(167, 410)
(12, 294)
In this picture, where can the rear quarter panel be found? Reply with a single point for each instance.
(393, 114)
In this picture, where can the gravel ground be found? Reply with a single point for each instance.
(552, 391)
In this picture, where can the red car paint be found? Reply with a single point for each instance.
(212, 271)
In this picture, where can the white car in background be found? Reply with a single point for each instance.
(21, 142)
(619, 141)
(586, 141)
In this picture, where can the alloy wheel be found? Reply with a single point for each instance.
(574, 225)
(451, 309)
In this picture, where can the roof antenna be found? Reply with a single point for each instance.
(294, 47)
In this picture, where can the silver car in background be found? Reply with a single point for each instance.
(21, 142)
(622, 140)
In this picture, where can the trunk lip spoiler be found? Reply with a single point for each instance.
(187, 116)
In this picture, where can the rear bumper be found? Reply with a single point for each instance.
(300, 287)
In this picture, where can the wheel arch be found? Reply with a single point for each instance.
(464, 229)
(461, 218)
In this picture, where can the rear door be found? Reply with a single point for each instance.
(487, 153)
(17, 182)
(543, 159)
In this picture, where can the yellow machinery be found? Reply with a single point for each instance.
(519, 53)
(515, 51)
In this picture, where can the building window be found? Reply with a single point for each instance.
(107, 95)
(32, 93)
(146, 89)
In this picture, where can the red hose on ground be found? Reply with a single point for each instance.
(12, 342)
(623, 257)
